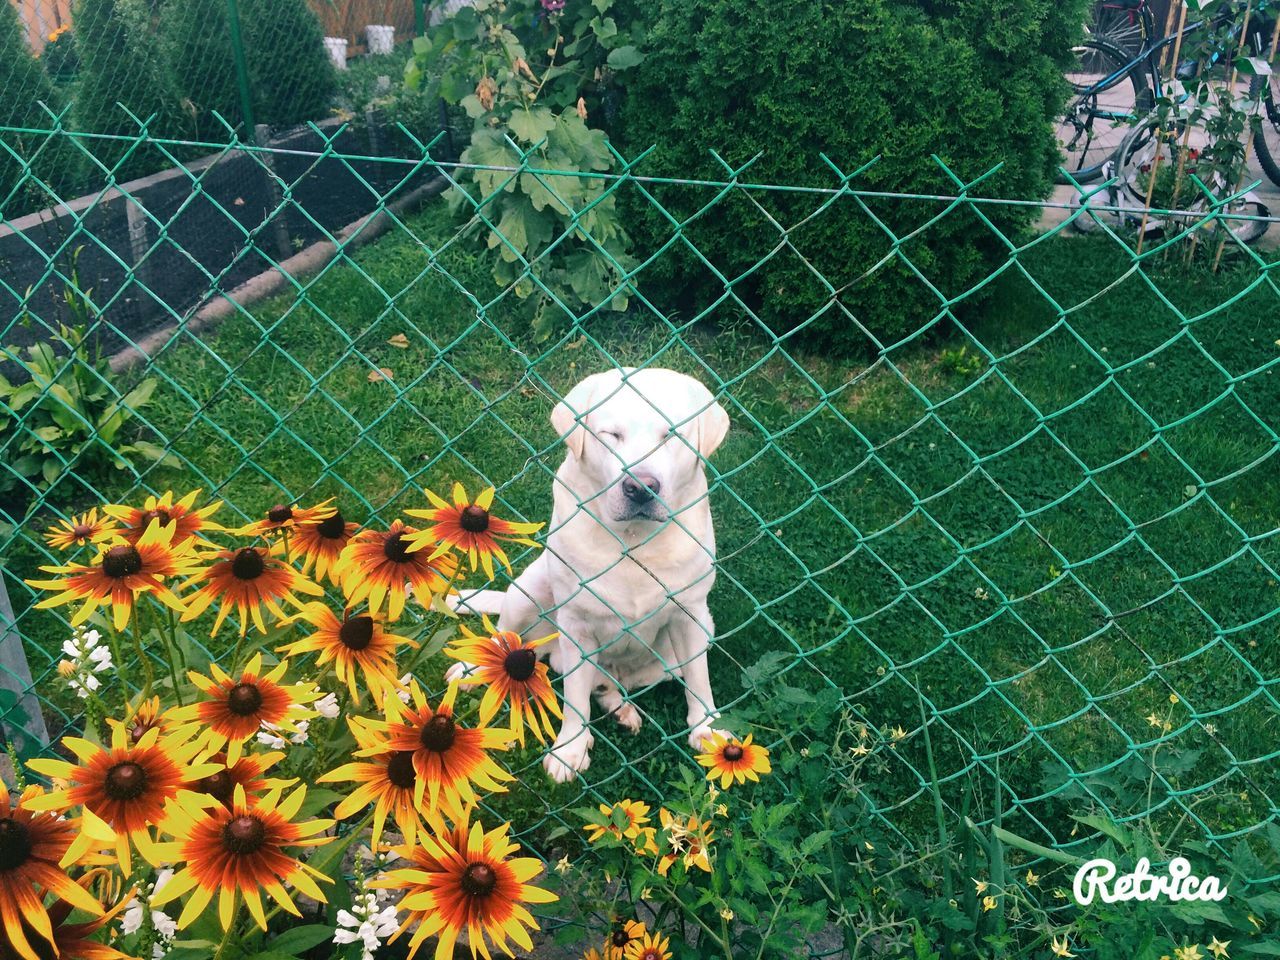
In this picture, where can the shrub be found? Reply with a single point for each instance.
(120, 64)
(291, 75)
(975, 82)
(60, 58)
(196, 40)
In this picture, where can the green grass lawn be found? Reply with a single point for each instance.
(1046, 552)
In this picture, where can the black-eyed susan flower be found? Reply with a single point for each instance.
(356, 644)
(509, 666)
(634, 816)
(247, 579)
(448, 758)
(239, 853)
(119, 575)
(468, 881)
(238, 706)
(288, 517)
(732, 760)
(388, 780)
(247, 773)
(124, 786)
(65, 940)
(321, 543)
(623, 934)
(187, 522)
(35, 849)
(375, 566)
(81, 531)
(469, 527)
(652, 946)
(149, 715)
(689, 840)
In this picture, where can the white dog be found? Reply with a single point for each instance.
(630, 554)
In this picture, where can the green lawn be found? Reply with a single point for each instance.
(1027, 543)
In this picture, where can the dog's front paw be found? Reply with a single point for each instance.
(567, 760)
(629, 717)
(459, 670)
(700, 736)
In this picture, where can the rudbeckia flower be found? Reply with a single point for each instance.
(321, 542)
(448, 758)
(467, 880)
(148, 715)
(248, 579)
(689, 840)
(247, 772)
(651, 946)
(285, 517)
(81, 531)
(637, 816)
(467, 526)
(354, 644)
(239, 706)
(124, 786)
(375, 565)
(732, 760)
(187, 523)
(239, 853)
(68, 941)
(510, 668)
(35, 849)
(121, 573)
(624, 934)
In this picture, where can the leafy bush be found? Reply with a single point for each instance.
(196, 40)
(975, 82)
(60, 57)
(290, 73)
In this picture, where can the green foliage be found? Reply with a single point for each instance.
(290, 73)
(121, 66)
(197, 45)
(975, 82)
(60, 58)
(531, 82)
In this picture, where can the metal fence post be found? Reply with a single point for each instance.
(242, 68)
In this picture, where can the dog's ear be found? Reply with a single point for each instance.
(709, 429)
(570, 415)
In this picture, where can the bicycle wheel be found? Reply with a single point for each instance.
(1266, 139)
(1126, 23)
(1109, 91)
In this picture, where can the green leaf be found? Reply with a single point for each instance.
(544, 191)
(604, 29)
(624, 58)
(532, 125)
(524, 230)
(489, 149)
(298, 940)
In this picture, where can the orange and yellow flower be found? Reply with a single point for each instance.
(469, 527)
(733, 760)
(247, 579)
(149, 715)
(288, 517)
(375, 566)
(124, 786)
(448, 758)
(355, 644)
(247, 773)
(119, 575)
(510, 668)
(651, 946)
(239, 706)
(689, 840)
(467, 880)
(81, 531)
(636, 815)
(35, 850)
(239, 853)
(322, 543)
(68, 941)
(187, 522)
(623, 935)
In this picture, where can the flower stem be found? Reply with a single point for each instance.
(138, 632)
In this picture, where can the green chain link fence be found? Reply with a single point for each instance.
(1044, 521)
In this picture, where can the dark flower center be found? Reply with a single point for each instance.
(620, 938)
(400, 769)
(122, 561)
(520, 664)
(356, 633)
(219, 785)
(280, 513)
(439, 733)
(478, 879)
(15, 844)
(81, 531)
(158, 514)
(733, 753)
(332, 528)
(248, 564)
(474, 519)
(395, 549)
(244, 699)
(244, 835)
(138, 732)
(650, 954)
(125, 781)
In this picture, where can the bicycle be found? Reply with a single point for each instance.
(1128, 24)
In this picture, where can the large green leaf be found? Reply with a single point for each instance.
(624, 58)
(532, 124)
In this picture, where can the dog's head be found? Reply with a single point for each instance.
(639, 438)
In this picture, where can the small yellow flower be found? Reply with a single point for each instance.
(1173, 698)
(861, 750)
(1031, 879)
(726, 914)
(988, 903)
(1153, 720)
(1211, 730)
(1219, 948)
(722, 810)
(562, 865)
(1256, 922)
(712, 793)
(980, 886)
(1190, 952)
(897, 733)
(1060, 947)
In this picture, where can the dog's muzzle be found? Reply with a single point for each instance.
(639, 498)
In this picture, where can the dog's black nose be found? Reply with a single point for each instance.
(641, 488)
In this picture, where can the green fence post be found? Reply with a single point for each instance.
(420, 17)
(242, 68)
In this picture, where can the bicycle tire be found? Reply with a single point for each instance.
(1129, 28)
(1109, 91)
(1266, 139)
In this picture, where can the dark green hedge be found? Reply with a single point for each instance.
(291, 75)
(974, 81)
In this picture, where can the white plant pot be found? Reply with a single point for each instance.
(337, 47)
(382, 38)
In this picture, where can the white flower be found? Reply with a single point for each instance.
(163, 924)
(366, 924)
(85, 658)
(327, 706)
(403, 692)
(272, 736)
